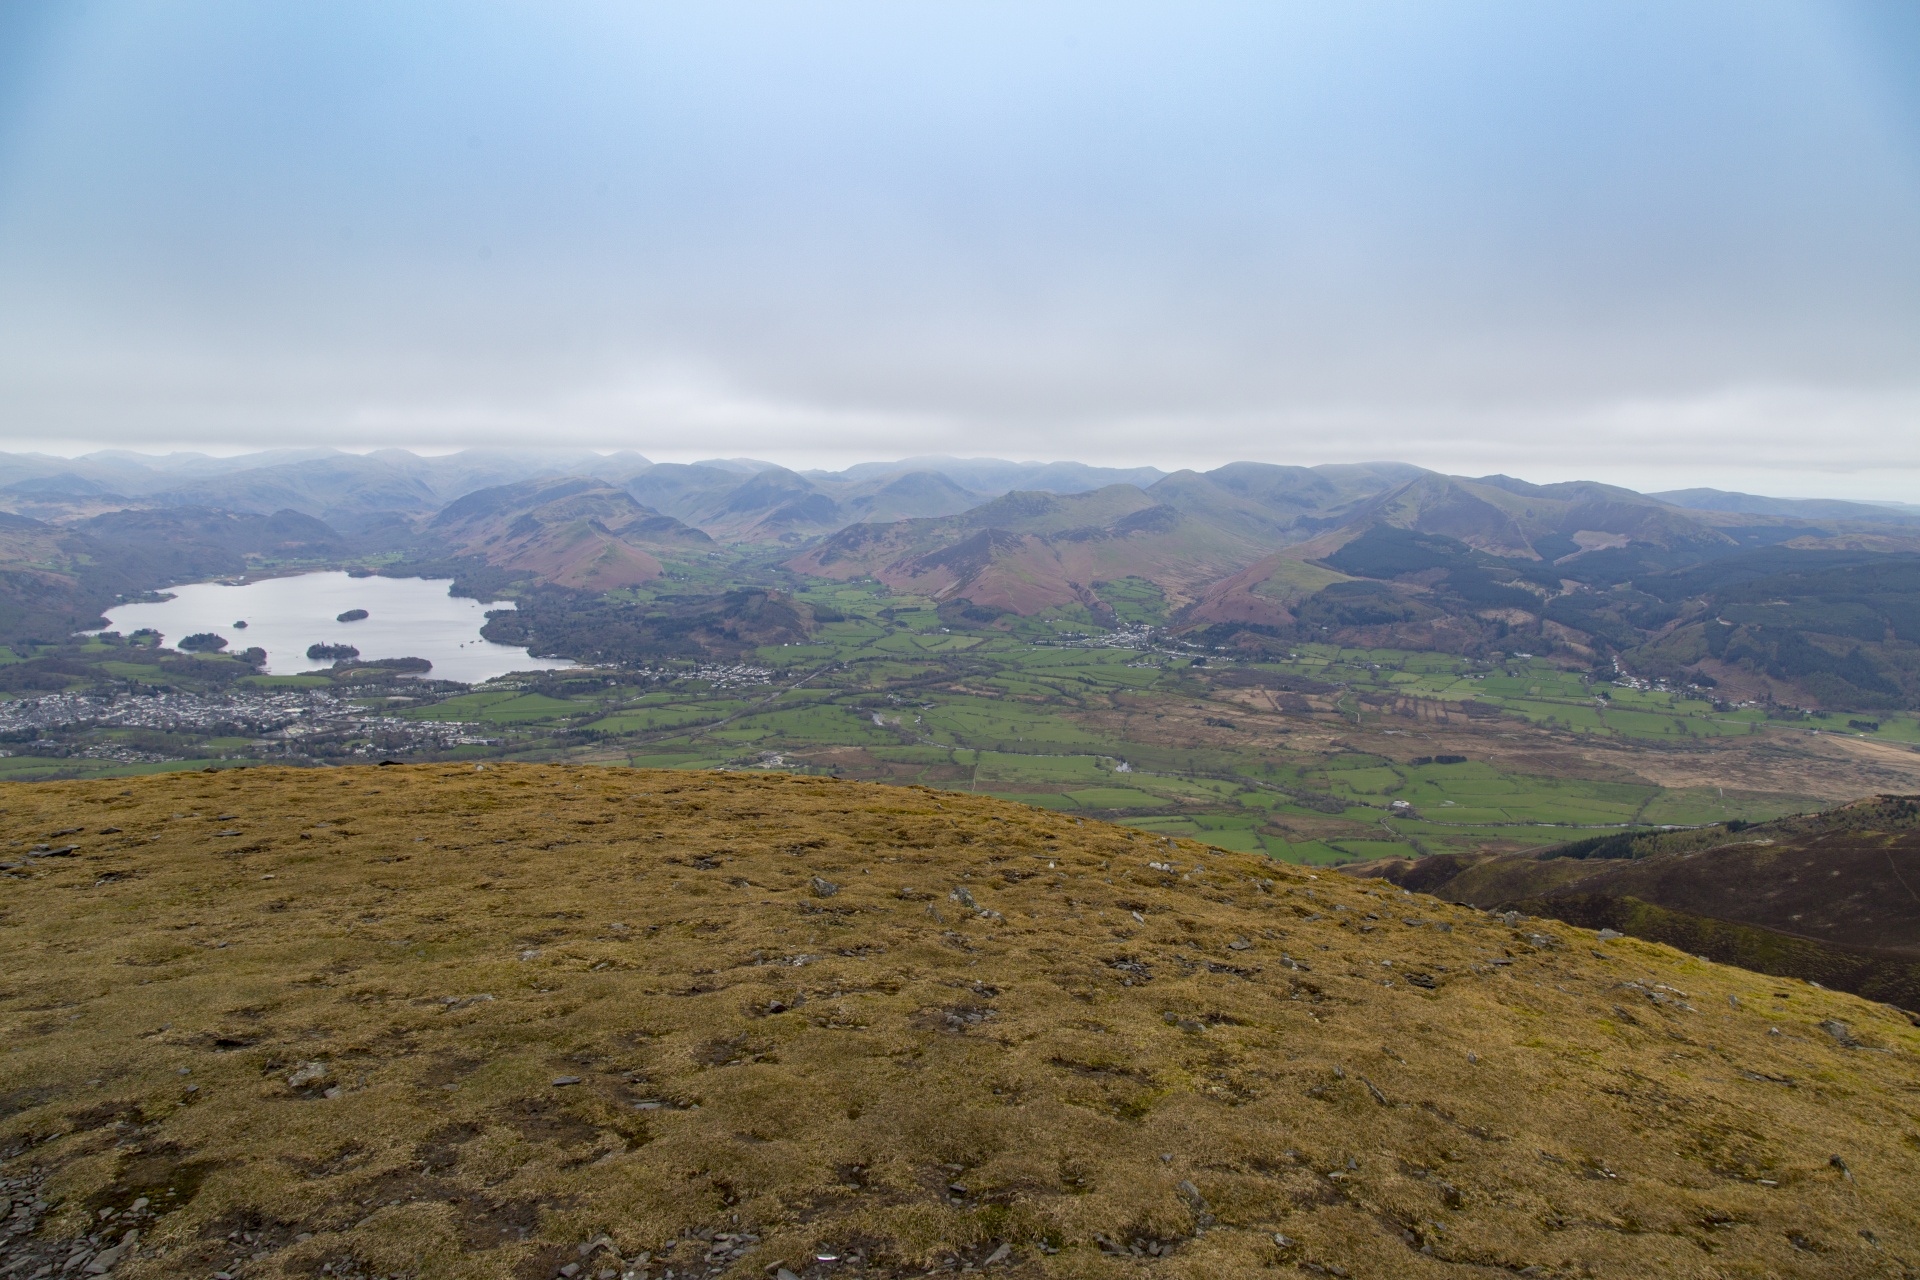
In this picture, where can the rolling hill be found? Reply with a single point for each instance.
(1798, 508)
(1233, 542)
(773, 504)
(1829, 897)
(556, 621)
(1764, 600)
(1027, 552)
(1766, 610)
(568, 532)
(1261, 557)
(345, 489)
(524, 1021)
(57, 578)
(53, 581)
(179, 544)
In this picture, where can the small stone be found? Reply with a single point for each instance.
(784, 1274)
(823, 888)
(560, 1082)
(1840, 1031)
(1608, 935)
(307, 1073)
(998, 1255)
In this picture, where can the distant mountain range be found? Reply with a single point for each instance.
(1766, 597)
(744, 498)
(1803, 508)
(733, 498)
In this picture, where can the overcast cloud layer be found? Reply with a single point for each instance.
(1659, 244)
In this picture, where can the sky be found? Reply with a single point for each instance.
(1658, 244)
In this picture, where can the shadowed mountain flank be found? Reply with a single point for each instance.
(528, 1021)
(1832, 897)
(55, 579)
(553, 620)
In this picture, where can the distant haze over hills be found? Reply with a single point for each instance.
(1806, 508)
(318, 480)
(1803, 599)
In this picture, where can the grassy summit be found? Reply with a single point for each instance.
(439, 1021)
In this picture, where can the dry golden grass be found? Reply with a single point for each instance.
(376, 978)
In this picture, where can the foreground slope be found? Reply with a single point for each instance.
(445, 1021)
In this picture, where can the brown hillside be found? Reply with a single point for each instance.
(1504, 517)
(438, 1021)
(567, 532)
(1833, 897)
(1028, 552)
(1266, 591)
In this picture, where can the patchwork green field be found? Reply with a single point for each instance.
(1141, 729)
(1328, 756)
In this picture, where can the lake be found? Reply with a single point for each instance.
(406, 618)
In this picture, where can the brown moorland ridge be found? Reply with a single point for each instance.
(1027, 552)
(439, 1021)
(568, 532)
(1833, 897)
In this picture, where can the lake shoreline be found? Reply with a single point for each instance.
(305, 621)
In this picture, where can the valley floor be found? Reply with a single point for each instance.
(1326, 756)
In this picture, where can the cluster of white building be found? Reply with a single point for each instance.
(248, 713)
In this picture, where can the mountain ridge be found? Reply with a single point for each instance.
(1249, 557)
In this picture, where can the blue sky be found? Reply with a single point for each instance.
(1656, 243)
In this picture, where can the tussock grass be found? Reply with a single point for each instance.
(436, 1021)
